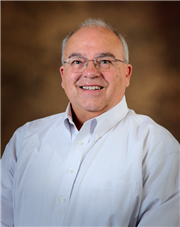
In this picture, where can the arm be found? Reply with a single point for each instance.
(160, 196)
(8, 168)
(7, 175)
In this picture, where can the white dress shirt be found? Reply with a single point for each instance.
(120, 169)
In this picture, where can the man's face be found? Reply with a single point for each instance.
(90, 43)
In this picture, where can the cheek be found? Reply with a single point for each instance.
(119, 78)
(118, 83)
(69, 82)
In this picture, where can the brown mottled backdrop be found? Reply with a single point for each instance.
(31, 35)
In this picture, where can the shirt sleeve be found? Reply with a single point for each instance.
(160, 196)
(8, 167)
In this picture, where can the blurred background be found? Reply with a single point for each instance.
(31, 36)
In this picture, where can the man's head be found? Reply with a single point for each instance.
(94, 87)
(97, 23)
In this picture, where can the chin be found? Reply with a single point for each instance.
(94, 108)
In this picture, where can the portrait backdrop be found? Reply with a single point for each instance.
(31, 36)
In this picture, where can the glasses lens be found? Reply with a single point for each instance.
(105, 62)
(77, 64)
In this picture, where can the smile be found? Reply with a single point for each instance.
(91, 87)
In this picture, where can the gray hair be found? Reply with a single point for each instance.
(97, 23)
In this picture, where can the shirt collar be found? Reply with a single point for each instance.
(68, 122)
(110, 118)
(101, 124)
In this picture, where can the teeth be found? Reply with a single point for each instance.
(91, 88)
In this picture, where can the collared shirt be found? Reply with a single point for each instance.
(120, 169)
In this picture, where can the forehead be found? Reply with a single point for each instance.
(91, 41)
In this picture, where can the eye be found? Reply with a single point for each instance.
(105, 61)
(76, 62)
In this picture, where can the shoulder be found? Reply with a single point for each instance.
(41, 123)
(156, 142)
(34, 131)
(151, 132)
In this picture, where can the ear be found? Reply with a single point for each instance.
(61, 70)
(128, 72)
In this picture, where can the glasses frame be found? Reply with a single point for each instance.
(94, 60)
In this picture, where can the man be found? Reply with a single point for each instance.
(99, 163)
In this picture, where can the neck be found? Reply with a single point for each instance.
(80, 119)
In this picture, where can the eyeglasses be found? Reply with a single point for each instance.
(79, 64)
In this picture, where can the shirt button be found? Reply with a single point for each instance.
(70, 170)
(63, 200)
(97, 136)
(80, 143)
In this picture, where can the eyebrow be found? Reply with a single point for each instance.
(104, 54)
(75, 55)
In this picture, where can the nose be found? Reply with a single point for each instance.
(91, 70)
